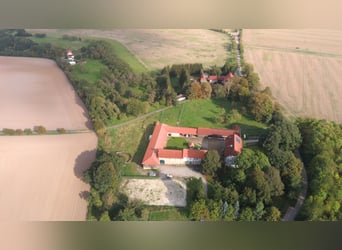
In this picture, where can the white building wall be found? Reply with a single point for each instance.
(195, 161)
(172, 161)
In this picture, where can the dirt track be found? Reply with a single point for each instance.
(302, 68)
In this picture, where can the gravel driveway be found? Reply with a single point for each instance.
(182, 171)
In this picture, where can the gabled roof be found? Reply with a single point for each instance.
(194, 153)
(215, 131)
(170, 153)
(158, 141)
(213, 78)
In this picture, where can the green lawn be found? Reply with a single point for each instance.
(203, 113)
(89, 70)
(167, 214)
(130, 170)
(133, 138)
(176, 143)
(56, 39)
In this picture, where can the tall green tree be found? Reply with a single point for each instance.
(262, 106)
(211, 163)
(199, 211)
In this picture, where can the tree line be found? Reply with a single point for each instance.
(322, 154)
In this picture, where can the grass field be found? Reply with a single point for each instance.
(167, 214)
(56, 39)
(302, 68)
(89, 70)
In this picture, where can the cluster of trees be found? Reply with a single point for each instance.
(27, 131)
(176, 69)
(119, 91)
(15, 43)
(279, 143)
(245, 193)
(322, 154)
(104, 178)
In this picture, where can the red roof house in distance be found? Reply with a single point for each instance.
(216, 78)
(156, 154)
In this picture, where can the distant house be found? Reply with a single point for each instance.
(156, 155)
(180, 98)
(70, 56)
(216, 79)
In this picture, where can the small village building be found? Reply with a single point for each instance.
(70, 57)
(180, 98)
(215, 78)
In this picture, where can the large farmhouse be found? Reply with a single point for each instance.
(156, 154)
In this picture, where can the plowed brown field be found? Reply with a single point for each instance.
(40, 176)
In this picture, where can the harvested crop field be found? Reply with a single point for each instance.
(40, 176)
(34, 91)
(156, 48)
(302, 68)
(166, 192)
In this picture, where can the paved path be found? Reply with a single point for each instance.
(292, 212)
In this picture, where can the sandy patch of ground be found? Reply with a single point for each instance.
(156, 48)
(39, 176)
(160, 192)
(305, 84)
(34, 91)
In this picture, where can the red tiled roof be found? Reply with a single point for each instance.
(182, 130)
(212, 78)
(214, 131)
(158, 140)
(194, 153)
(170, 153)
(155, 148)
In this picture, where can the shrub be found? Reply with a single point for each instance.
(40, 35)
(8, 131)
(40, 129)
(19, 131)
(28, 131)
(61, 130)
